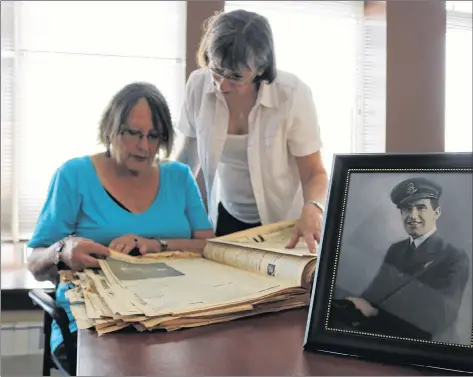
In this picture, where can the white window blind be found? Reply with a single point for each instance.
(322, 43)
(370, 136)
(8, 61)
(458, 98)
(62, 61)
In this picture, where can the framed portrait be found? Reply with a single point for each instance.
(394, 270)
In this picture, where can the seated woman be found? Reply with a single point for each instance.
(122, 199)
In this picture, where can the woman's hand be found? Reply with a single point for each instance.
(364, 306)
(314, 187)
(128, 242)
(308, 226)
(77, 253)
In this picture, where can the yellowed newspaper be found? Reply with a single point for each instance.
(262, 250)
(289, 268)
(177, 286)
(232, 279)
(271, 237)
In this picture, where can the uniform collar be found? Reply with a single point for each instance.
(420, 240)
(267, 94)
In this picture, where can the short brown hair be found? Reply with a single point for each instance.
(123, 101)
(236, 37)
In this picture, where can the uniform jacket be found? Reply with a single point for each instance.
(421, 288)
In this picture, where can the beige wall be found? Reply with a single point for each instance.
(197, 12)
(415, 76)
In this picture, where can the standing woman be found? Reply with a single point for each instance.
(253, 131)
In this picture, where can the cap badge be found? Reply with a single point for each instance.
(411, 188)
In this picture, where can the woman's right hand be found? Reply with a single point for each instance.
(77, 253)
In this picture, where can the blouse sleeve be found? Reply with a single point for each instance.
(185, 125)
(304, 131)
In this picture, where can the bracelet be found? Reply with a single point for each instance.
(59, 248)
(162, 244)
(317, 204)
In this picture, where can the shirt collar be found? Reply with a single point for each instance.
(267, 95)
(420, 240)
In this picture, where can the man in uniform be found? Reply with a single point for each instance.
(418, 289)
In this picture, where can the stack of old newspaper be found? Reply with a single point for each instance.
(243, 274)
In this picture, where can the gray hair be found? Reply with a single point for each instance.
(119, 107)
(239, 39)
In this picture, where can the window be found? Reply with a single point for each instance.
(458, 99)
(321, 42)
(61, 64)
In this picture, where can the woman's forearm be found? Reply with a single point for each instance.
(187, 154)
(197, 245)
(316, 188)
(41, 263)
(187, 245)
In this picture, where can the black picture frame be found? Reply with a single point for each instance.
(322, 335)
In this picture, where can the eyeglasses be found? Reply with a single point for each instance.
(235, 79)
(135, 136)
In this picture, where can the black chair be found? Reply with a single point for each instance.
(52, 311)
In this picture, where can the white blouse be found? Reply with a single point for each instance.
(282, 125)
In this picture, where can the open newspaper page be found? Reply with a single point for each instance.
(262, 250)
(271, 237)
(163, 288)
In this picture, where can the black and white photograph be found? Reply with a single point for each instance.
(142, 271)
(405, 257)
(393, 281)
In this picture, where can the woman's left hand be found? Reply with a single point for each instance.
(128, 242)
(308, 226)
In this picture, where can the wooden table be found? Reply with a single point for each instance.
(269, 344)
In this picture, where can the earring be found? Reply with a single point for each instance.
(107, 152)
